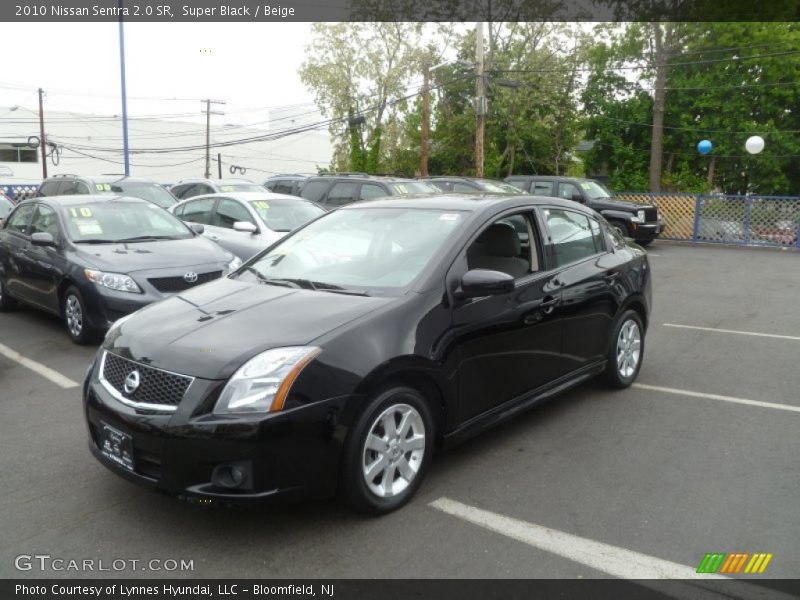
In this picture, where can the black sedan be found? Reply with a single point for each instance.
(341, 356)
(95, 259)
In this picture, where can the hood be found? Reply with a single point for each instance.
(211, 330)
(613, 203)
(140, 256)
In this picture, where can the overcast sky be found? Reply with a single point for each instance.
(252, 66)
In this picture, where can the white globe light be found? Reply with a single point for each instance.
(754, 144)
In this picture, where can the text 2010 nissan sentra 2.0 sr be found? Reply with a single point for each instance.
(343, 355)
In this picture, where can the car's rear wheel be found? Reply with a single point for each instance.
(388, 451)
(75, 320)
(7, 303)
(626, 351)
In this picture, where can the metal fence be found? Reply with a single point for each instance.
(745, 220)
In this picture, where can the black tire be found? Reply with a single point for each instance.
(618, 374)
(621, 227)
(353, 485)
(74, 313)
(7, 303)
(644, 243)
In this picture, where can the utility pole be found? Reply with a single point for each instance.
(480, 100)
(219, 164)
(125, 148)
(209, 112)
(426, 118)
(42, 143)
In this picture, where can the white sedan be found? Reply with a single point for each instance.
(247, 222)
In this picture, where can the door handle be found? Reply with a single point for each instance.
(213, 237)
(548, 304)
(611, 277)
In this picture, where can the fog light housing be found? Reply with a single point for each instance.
(233, 476)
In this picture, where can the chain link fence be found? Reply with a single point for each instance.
(745, 220)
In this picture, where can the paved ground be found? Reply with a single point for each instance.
(658, 472)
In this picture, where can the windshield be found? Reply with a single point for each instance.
(595, 190)
(365, 249)
(413, 187)
(285, 215)
(113, 221)
(240, 187)
(152, 192)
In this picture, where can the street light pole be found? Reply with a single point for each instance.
(125, 149)
(480, 100)
(42, 143)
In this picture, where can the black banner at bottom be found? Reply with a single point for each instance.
(397, 589)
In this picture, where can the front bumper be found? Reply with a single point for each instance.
(645, 231)
(289, 454)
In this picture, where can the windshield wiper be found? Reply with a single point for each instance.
(95, 241)
(144, 238)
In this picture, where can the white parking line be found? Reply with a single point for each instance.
(717, 330)
(732, 399)
(613, 560)
(38, 368)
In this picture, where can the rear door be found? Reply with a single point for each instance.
(589, 275)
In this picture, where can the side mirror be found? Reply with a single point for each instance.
(244, 227)
(483, 282)
(43, 239)
(577, 196)
(198, 228)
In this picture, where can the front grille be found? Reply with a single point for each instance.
(170, 285)
(157, 389)
(650, 215)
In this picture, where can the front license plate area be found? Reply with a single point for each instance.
(117, 446)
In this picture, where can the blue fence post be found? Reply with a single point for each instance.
(696, 230)
(798, 234)
(748, 205)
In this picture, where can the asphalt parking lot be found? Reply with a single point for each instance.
(701, 455)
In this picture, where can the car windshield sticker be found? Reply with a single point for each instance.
(586, 185)
(226, 188)
(401, 188)
(83, 211)
(261, 204)
(449, 217)
(89, 227)
(103, 187)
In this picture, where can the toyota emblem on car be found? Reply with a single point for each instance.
(131, 382)
(190, 277)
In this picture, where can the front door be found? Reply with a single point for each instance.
(508, 345)
(45, 263)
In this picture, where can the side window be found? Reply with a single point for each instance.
(229, 212)
(370, 190)
(49, 188)
(313, 190)
(520, 183)
(507, 245)
(463, 187)
(198, 211)
(68, 187)
(20, 219)
(542, 188)
(178, 190)
(45, 221)
(202, 189)
(342, 192)
(81, 188)
(282, 186)
(571, 235)
(567, 190)
(445, 186)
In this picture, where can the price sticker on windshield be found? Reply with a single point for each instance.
(83, 211)
(261, 204)
(103, 187)
(89, 226)
(226, 188)
(586, 185)
(449, 217)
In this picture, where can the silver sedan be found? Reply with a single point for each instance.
(247, 222)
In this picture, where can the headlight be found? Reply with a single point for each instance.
(113, 281)
(234, 264)
(263, 383)
(639, 217)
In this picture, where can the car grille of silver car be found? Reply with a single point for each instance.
(154, 389)
(170, 285)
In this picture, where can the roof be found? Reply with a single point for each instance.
(216, 181)
(356, 176)
(464, 202)
(84, 199)
(250, 197)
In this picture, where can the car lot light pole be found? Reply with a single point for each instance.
(125, 149)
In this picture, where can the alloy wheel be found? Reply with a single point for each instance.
(629, 349)
(74, 315)
(393, 450)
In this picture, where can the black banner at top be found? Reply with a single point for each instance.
(396, 10)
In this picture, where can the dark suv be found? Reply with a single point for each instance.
(288, 183)
(638, 221)
(332, 191)
(112, 185)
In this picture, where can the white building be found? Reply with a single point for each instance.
(164, 149)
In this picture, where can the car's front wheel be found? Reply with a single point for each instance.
(7, 303)
(75, 320)
(388, 451)
(626, 351)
